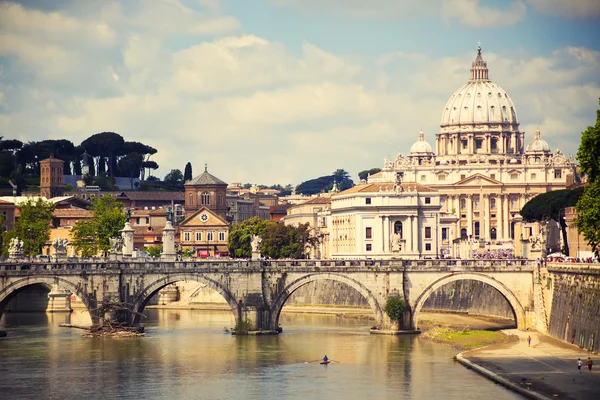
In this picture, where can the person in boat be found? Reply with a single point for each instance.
(325, 359)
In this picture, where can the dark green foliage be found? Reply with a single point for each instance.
(187, 174)
(395, 308)
(588, 207)
(174, 178)
(363, 175)
(154, 251)
(278, 240)
(243, 327)
(32, 226)
(325, 183)
(92, 235)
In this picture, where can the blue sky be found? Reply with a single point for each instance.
(281, 91)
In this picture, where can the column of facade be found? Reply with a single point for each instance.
(458, 214)
(469, 215)
(499, 219)
(488, 144)
(486, 216)
(386, 234)
(506, 217)
(415, 234)
(456, 143)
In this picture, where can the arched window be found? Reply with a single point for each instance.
(493, 203)
(463, 204)
(463, 233)
(220, 198)
(398, 228)
(191, 199)
(205, 197)
(493, 233)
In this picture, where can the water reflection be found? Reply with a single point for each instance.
(187, 355)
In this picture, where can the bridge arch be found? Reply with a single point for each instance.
(281, 298)
(517, 308)
(142, 298)
(15, 287)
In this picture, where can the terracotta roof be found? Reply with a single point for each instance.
(386, 187)
(159, 196)
(318, 200)
(281, 208)
(205, 179)
(71, 213)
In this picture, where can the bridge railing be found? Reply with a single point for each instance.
(154, 264)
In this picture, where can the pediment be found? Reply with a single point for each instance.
(478, 180)
(203, 217)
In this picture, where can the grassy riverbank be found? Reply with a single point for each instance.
(465, 338)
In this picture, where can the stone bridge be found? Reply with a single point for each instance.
(257, 290)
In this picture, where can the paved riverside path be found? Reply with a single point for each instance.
(547, 357)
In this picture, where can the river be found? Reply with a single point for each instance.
(187, 355)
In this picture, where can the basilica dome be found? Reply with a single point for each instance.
(421, 146)
(479, 101)
(538, 145)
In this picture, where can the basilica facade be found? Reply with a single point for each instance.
(482, 167)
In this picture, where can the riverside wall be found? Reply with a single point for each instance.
(574, 298)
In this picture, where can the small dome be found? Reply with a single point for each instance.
(538, 144)
(421, 146)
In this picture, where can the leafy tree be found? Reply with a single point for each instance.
(343, 179)
(240, 235)
(7, 164)
(287, 241)
(363, 175)
(92, 235)
(550, 205)
(154, 251)
(187, 174)
(32, 226)
(105, 144)
(325, 183)
(131, 165)
(395, 308)
(175, 177)
(11, 145)
(588, 206)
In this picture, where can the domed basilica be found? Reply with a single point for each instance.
(481, 167)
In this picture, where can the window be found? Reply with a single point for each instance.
(514, 176)
(209, 236)
(514, 202)
(186, 236)
(444, 233)
(533, 176)
(427, 246)
(205, 198)
(557, 174)
(464, 144)
(476, 204)
(463, 176)
(369, 233)
(427, 200)
(463, 204)
(493, 176)
(493, 204)
(476, 229)
(423, 178)
(537, 160)
(369, 247)
(427, 232)
(198, 236)
(220, 198)
(368, 200)
(494, 144)
(478, 144)
(191, 199)
(222, 236)
(441, 178)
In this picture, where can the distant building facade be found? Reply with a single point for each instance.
(52, 182)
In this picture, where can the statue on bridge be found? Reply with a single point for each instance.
(116, 245)
(60, 245)
(15, 247)
(255, 243)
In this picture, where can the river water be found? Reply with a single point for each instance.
(187, 355)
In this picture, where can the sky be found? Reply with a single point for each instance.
(283, 91)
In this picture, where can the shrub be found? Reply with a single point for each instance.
(395, 308)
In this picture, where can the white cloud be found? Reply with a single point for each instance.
(466, 12)
(254, 109)
(472, 13)
(570, 9)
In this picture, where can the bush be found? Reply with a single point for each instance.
(395, 308)
(243, 327)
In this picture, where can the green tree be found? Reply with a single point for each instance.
(154, 251)
(175, 177)
(92, 235)
(287, 241)
(131, 166)
(32, 226)
(240, 235)
(395, 308)
(187, 174)
(551, 205)
(106, 145)
(363, 175)
(588, 206)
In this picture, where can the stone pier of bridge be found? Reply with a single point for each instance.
(256, 291)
